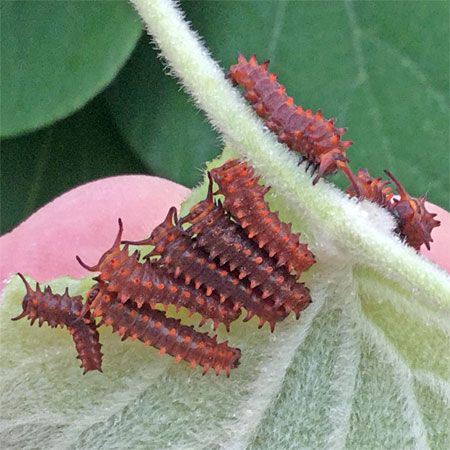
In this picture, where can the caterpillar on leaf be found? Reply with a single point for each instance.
(414, 222)
(168, 335)
(64, 311)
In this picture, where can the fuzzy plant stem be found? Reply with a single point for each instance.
(324, 206)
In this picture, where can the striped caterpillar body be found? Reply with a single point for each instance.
(253, 214)
(414, 222)
(152, 327)
(65, 311)
(181, 257)
(147, 283)
(313, 136)
(225, 240)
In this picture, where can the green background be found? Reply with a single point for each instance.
(83, 95)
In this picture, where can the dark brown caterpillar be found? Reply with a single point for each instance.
(64, 311)
(147, 283)
(180, 257)
(414, 222)
(236, 181)
(153, 328)
(224, 239)
(313, 136)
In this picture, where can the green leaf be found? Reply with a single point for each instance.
(158, 121)
(336, 378)
(58, 55)
(362, 62)
(40, 166)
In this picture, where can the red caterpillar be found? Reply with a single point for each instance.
(224, 239)
(363, 186)
(153, 328)
(244, 200)
(414, 222)
(128, 291)
(65, 311)
(180, 257)
(313, 136)
(146, 283)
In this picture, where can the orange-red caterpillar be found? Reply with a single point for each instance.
(244, 200)
(414, 222)
(146, 283)
(226, 241)
(363, 186)
(65, 311)
(152, 327)
(180, 257)
(313, 136)
(215, 268)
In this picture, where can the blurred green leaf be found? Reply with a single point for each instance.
(380, 67)
(56, 55)
(158, 120)
(40, 166)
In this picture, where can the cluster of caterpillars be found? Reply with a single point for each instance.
(222, 257)
(219, 260)
(319, 143)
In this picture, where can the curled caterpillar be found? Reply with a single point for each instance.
(313, 136)
(226, 241)
(236, 180)
(65, 311)
(414, 222)
(154, 329)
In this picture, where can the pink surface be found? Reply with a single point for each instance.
(440, 247)
(83, 222)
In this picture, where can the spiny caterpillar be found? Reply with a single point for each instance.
(168, 335)
(414, 221)
(227, 242)
(244, 200)
(319, 142)
(311, 135)
(64, 311)
(148, 283)
(227, 260)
